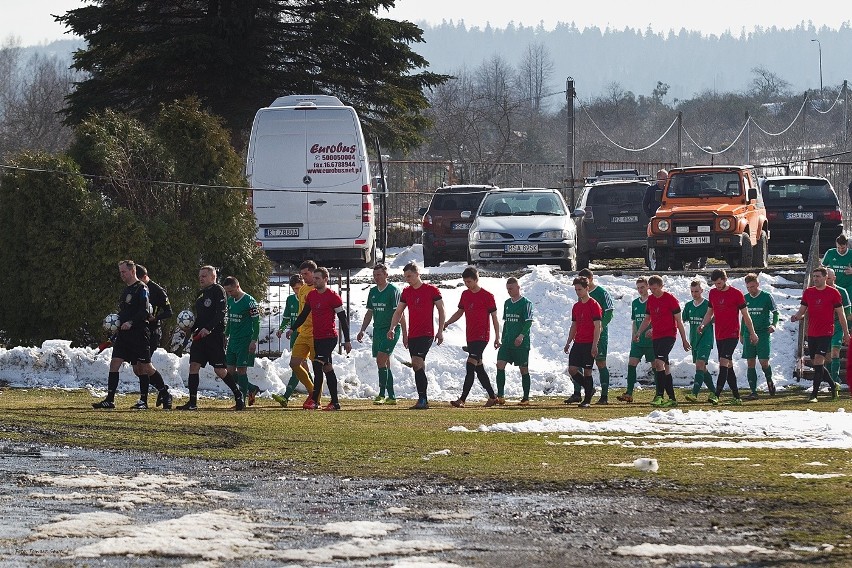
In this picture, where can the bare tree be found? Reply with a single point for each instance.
(767, 86)
(534, 74)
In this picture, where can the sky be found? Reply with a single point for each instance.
(32, 23)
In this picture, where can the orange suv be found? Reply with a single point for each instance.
(709, 211)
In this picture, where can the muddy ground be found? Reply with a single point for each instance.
(74, 507)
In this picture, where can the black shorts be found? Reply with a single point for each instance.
(662, 347)
(419, 346)
(323, 349)
(581, 356)
(209, 349)
(132, 346)
(476, 349)
(155, 335)
(819, 346)
(726, 347)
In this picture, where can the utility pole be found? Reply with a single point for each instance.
(570, 95)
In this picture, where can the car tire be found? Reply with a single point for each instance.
(582, 261)
(746, 253)
(659, 259)
(760, 255)
(429, 257)
(570, 263)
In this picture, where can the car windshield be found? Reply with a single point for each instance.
(506, 204)
(457, 201)
(786, 191)
(704, 184)
(617, 195)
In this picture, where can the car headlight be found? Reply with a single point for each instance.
(486, 236)
(663, 225)
(556, 235)
(725, 224)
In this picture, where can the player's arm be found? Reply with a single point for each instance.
(682, 330)
(496, 323)
(708, 317)
(607, 317)
(841, 317)
(597, 336)
(800, 313)
(306, 311)
(748, 323)
(254, 313)
(404, 329)
(368, 317)
(572, 333)
(439, 304)
(454, 318)
(344, 327)
(397, 317)
(165, 311)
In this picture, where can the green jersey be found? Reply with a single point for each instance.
(602, 297)
(839, 262)
(694, 315)
(762, 310)
(517, 320)
(847, 306)
(290, 313)
(383, 303)
(638, 314)
(243, 319)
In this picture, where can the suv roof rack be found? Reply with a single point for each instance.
(602, 175)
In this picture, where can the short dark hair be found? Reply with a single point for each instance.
(380, 266)
(718, 273)
(511, 280)
(129, 264)
(471, 272)
(296, 279)
(321, 270)
(586, 273)
(751, 277)
(655, 279)
(412, 266)
(696, 283)
(821, 270)
(308, 264)
(230, 281)
(841, 239)
(641, 279)
(582, 281)
(141, 271)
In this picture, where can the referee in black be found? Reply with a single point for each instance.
(131, 342)
(208, 338)
(161, 310)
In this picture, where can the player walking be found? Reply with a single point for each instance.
(602, 297)
(242, 330)
(422, 300)
(323, 304)
(208, 339)
(382, 301)
(161, 310)
(515, 341)
(291, 312)
(701, 342)
(840, 260)
(837, 338)
(585, 333)
(764, 317)
(477, 305)
(643, 347)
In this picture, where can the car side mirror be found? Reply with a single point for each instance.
(466, 214)
(422, 211)
(579, 212)
(752, 193)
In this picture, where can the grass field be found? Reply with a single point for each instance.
(393, 442)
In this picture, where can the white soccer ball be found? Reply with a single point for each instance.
(111, 323)
(185, 320)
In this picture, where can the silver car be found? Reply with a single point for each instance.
(524, 225)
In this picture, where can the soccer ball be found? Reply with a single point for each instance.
(111, 323)
(185, 320)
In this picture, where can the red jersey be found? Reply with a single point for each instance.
(585, 315)
(821, 305)
(421, 306)
(726, 311)
(661, 311)
(478, 307)
(324, 308)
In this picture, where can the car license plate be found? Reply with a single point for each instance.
(693, 240)
(799, 215)
(282, 232)
(460, 226)
(521, 248)
(625, 219)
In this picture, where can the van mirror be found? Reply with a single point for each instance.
(752, 193)
(579, 212)
(466, 214)
(422, 211)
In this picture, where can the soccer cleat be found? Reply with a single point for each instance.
(379, 399)
(167, 400)
(188, 406)
(524, 402)
(422, 404)
(625, 398)
(160, 397)
(252, 394)
(491, 402)
(573, 399)
(713, 399)
(602, 400)
(691, 397)
(813, 399)
(751, 396)
(770, 385)
(584, 404)
(735, 402)
(331, 406)
(240, 404)
(310, 404)
(668, 403)
(657, 402)
(280, 399)
(457, 403)
(140, 405)
(103, 405)
(835, 391)
(501, 401)
(391, 401)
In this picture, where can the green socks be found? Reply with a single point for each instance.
(604, 376)
(751, 374)
(834, 369)
(631, 379)
(501, 382)
(389, 384)
(525, 384)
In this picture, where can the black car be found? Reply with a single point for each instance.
(793, 205)
(610, 220)
(447, 220)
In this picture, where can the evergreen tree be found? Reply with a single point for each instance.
(239, 56)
